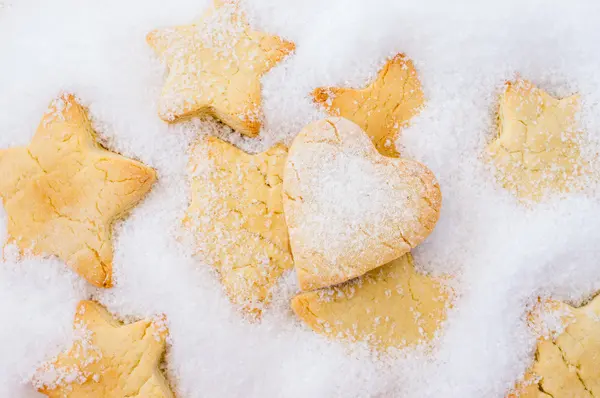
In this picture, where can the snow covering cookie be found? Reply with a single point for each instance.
(63, 192)
(391, 306)
(537, 146)
(107, 359)
(566, 361)
(348, 208)
(383, 107)
(236, 216)
(215, 66)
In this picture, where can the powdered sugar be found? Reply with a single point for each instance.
(85, 352)
(348, 199)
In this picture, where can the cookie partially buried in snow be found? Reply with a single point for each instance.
(348, 208)
(391, 306)
(383, 107)
(236, 217)
(566, 360)
(63, 192)
(215, 66)
(107, 359)
(537, 147)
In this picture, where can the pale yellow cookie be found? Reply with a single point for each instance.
(383, 107)
(348, 208)
(236, 216)
(391, 306)
(566, 361)
(537, 149)
(108, 359)
(215, 66)
(63, 192)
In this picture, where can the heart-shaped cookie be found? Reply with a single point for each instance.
(348, 208)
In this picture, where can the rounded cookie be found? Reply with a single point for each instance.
(350, 209)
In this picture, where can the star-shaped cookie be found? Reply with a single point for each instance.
(108, 359)
(383, 107)
(566, 361)
(236, 217)
(391, 306)
(63, 192)
(537, 148)
(215, 66)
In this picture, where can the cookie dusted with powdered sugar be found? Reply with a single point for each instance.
(348, 208)
(215, 67)
(236, 218)
(108, 359)
(538, 147)
(63, 192)
(383, 107)
(391, 306)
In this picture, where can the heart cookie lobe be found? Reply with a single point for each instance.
(348, 208)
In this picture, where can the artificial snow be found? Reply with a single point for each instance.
(501, 254)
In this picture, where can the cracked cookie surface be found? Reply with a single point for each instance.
(348, 208)
(236, 217)
(383, 107)
(215, 66)
(391, 306)
(63, 192)
(566, 361)
(537, 148)
(107, 359)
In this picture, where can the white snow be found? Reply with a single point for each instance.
(502, 255)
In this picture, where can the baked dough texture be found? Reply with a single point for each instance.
(383, 107)
(236, 216)
(566, 361)
(108, 359)
(348, 208)
(537, 148)
(391, 306)
(215, 66)
(63, 192)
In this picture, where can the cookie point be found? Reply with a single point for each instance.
(152, 37)
(251, 128)
(400, 59)
(108, 283)
(320, 95)
(149, 175)
(288, 46)
(298, 305)
(69, 97)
